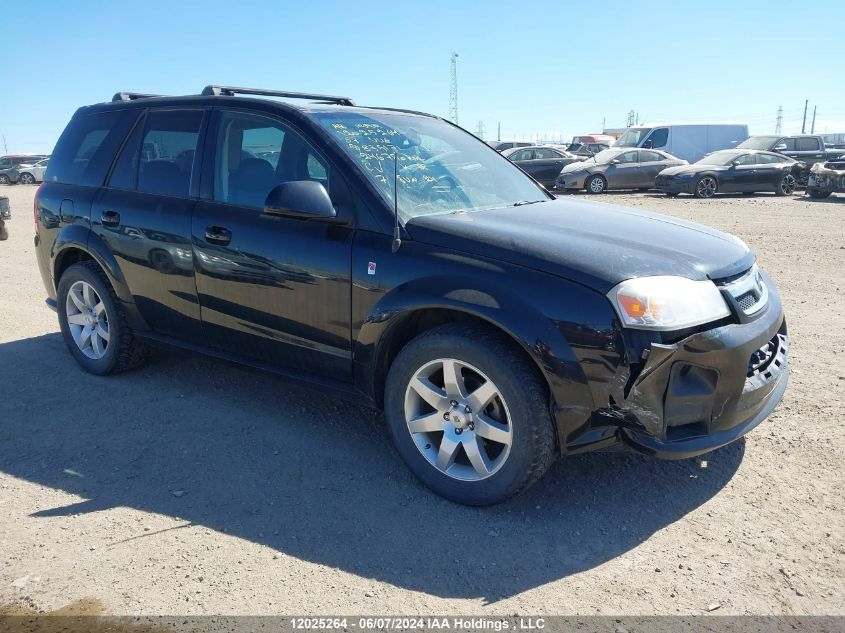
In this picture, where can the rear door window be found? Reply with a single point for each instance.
(87, 146)
(806, 144)
(159, 156)
(647, 157)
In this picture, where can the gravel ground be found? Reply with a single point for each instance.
(191, 486)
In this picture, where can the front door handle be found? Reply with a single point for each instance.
(218, 235)
(110, 218)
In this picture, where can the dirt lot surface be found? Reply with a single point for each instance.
(191, 486)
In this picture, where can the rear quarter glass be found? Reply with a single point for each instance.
(87, 146)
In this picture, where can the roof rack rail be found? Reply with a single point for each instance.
(131, 96)
(230, 91)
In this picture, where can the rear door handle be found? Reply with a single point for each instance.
(110, 218)
(218, 235)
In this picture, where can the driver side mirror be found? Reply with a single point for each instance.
(615, 161)
(779, 148)
(735, 163)
(303, 199)
(648, 144)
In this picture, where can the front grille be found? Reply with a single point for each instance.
(747, 290)
(761, 358)
(747, 301)
(765, 361)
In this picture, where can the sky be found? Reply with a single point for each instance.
(549, 69)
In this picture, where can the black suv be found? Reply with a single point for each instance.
(394, 257)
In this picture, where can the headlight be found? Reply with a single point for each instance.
(667, 303)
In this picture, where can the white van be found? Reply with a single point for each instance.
(689, 141)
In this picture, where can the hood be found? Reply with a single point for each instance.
(689, 169)
(592, 243)
(581, 163)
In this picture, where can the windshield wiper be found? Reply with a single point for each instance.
(524, 202)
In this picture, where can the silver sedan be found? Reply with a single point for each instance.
(616, 168)
(31, 173)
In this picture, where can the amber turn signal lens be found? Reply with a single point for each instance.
(633, 306)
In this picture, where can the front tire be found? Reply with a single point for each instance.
(26, 179)
(93, 322)
(706, 187)
(469, 414)
(596, 184)
(786, 186)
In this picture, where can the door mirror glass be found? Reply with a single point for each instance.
(736, 163)
(615, 161)
(300, 199)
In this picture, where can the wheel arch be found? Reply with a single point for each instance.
(405, 313)
(78, 243)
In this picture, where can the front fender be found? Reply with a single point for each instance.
(520, 312)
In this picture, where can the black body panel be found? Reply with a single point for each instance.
(331, 300)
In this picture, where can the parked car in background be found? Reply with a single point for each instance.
(587, 145)
(616, 168)
(732, 171)
(10, 162)
(541, 162)
(689, 141)
(826, 178)
(30, 174)
(500, 146)
(806, 148)
(586, 150)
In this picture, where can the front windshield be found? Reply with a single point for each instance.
(439, 167)
(632, 137)
(759, 142)
(718, 158)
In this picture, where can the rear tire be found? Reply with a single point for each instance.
(93, 322)
(459, 419)
(4, 179)
(818, 194)
(596, 184)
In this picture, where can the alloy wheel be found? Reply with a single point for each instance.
(458, 419)
(596, 185)
(4, 179)
(706, 187)
(87, 320)
(787, 184)
(27, 179)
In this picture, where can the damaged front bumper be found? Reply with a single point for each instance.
(706, 390)
(826, 180)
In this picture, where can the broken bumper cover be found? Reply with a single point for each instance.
(571, 181)
(830, 180)
(710, 388)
